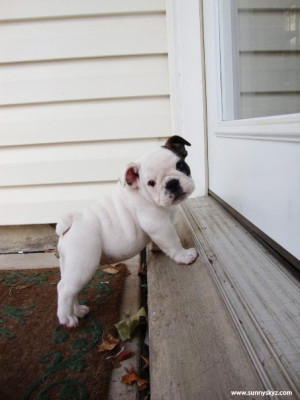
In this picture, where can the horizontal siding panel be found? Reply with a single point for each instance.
(84, 80)
(69, 171)
(85, 162)
(45, 204)
(29, 9)
(268, 4)
(42, 194)
(85, 121)
(75, 151)
(39, 213)
(269, 104)
(85, 37)
(267, 31)
(270, 72)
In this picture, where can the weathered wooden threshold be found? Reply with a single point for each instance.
(229, 322)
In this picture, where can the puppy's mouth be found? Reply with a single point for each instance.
(179, 197)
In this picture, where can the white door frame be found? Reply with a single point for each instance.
(187, 82)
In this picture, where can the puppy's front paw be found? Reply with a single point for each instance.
(186, 256)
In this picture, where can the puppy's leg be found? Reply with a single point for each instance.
(65, 301)
(78, 271)
(155, 248)
(165, 237)
(66, 297)
(80, 250)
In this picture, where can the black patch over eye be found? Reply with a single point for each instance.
(151, 183)
(183, 167)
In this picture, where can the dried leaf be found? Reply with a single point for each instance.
(141, 271)
(126, 327)
(142, 384)
(108, 344)
(111, 270)
(124, 354)
(132, 377)
(126, 270)
(146, 361)
(22, 287)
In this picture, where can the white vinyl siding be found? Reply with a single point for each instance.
(84, 89)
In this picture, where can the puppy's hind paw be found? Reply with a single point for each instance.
(70, 321)
(81, 311)
(186, 256)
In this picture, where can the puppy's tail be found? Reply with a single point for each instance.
(64, 224)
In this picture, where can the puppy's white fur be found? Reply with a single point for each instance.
(120, 226)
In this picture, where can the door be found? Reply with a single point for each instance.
(252, 56)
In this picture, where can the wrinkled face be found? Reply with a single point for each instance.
(163, 177)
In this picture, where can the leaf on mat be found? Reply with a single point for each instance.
(126, 327)
(146, 361)
(22, 287)
(108, 344)
(126, 270)
(132, 377)
(111, 270)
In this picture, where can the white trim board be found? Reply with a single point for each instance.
(284, 128)
(187, 83)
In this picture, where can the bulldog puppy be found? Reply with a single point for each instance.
(120, 225)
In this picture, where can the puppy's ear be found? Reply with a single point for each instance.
(176, 144)
(131, 175)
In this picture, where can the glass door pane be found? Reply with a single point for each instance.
(260, 57)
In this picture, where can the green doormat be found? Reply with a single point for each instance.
(40, 359)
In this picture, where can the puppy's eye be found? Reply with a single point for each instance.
(151, 183)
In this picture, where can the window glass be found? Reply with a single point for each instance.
(260, 57)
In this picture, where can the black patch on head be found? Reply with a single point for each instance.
(182, 166)
(176, 145)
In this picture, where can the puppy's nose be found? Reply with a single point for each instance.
(173, 186)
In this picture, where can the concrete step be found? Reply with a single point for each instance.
(27, 238)
(213, 326)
